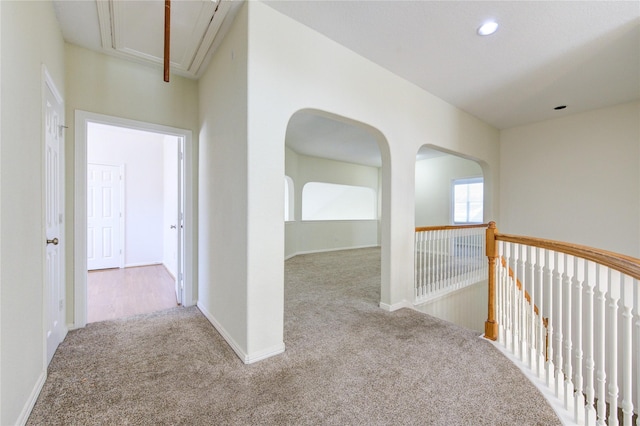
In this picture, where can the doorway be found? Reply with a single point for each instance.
(138, 216)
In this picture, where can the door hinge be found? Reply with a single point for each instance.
(61, 305)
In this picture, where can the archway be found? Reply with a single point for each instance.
(334, 162)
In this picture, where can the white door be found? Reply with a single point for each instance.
(180, 277)
(104, 216)
(54, 216)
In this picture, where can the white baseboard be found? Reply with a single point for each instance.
(137, 265)
(328, 250)
(244, 357)
(396, 306)
(31, 401)
(264, 354)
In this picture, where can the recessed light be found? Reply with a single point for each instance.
(488, 28)
(559, 107)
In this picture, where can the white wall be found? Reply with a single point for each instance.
(223, 195)
(142, 154)
(434, 178)
(107, 85)
(575, 179)
(312, 236)
(29, 37)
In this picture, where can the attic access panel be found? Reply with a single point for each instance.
(135, 30)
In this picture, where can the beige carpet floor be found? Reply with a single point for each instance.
(347, 363)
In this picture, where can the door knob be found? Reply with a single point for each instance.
(55, 241)
(172, 227)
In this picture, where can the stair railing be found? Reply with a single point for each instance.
(571, 314)
(448, 258)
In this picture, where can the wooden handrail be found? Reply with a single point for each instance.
(626, 264)
(445, 227)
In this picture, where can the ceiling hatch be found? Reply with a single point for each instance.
(135, 30)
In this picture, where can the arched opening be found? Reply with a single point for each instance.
(337, 167)
(450, 264)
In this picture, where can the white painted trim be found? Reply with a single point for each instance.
(33, 397)
(564, 415)
(226, 336)
(244, 357)
(264, 354)
(80, 208)
(396, 306)
(137, 265)
(328, 250)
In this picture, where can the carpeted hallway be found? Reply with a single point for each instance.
(347, 363)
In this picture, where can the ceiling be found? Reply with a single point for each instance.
(582, 54)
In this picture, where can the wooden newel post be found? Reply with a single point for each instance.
(491, 326)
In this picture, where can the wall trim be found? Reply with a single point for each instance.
(328, 250)
(396, 306)
(244, 357)
(33, 397)
(138, 265)
(264, 354)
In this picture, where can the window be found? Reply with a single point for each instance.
(468, 196)
(328, 201)
(288, 199)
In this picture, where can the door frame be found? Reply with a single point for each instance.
(82, 118)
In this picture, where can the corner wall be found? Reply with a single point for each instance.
(575, 179)
(30, 37)
(223, 200)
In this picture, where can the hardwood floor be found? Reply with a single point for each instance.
(119, 293)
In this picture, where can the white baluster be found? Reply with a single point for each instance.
(517, 272)
(548, 282)
(501, 295)
(636, 304)
(416, 264)
(514, 299)
(626, 337)
(612, 333)
(578, 280)
(600, 337)
(567, 313)
(423, 263)
(590, 283)
(542, 330)
(557, 315)
(531, 327)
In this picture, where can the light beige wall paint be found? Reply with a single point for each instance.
(309, 236)
(434, 178)
(30, 38)
(575, 179)
(223, 199)
(107, 85)
(296, 68)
